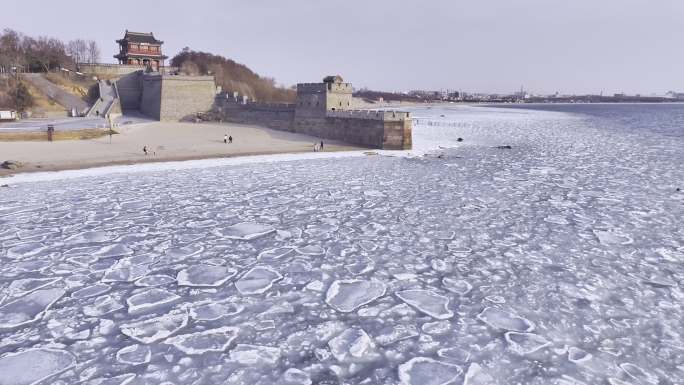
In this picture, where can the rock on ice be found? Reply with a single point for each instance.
(428, 302)
(257, 280)
(33, 366)
(504, 320)
(213, 340)
(348, 295)
(155, 329)
(28, 308)
(426, 371)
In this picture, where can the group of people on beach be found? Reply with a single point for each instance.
(318, 147)
(227, 138)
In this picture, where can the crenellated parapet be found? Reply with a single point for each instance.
(369, 114)
(324, 110)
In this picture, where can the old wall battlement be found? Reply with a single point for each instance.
(324, 87)
(389, 130)
(368, 114)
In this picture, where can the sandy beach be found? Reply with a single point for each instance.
(166, 141)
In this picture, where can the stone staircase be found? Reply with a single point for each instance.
(107, 102)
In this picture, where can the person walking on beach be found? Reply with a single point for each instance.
(225, 138)
(230, 139)
(321, 145)
(315, 147)
(145, 150)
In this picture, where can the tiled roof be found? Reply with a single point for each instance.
(141, 37)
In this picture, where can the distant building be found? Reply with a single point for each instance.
(143, 49)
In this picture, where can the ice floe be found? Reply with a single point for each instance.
(134, 354)
(255, 355)
(34, 365)
(457, 286)
(257, 280)
(348, 295)
(211, 311)
(429, 302)
(150, 299)
(427, 371)
(504, 320)
(352, 345)
(246, 231)
(28, 308)
(205, 275)
(525, 343)
(157, 328)
(212, 340)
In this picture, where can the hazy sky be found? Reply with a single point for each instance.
(571, 46)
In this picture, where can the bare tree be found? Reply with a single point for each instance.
(93, 52)
(78, 49)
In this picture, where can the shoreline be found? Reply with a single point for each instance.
(5, 174)
(165, 142)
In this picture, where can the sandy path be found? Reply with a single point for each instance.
(165, 141)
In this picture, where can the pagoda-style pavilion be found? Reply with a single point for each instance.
(138, 48)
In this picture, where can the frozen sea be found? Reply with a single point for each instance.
(547, 247)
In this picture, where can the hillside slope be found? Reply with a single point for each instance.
(232, 76)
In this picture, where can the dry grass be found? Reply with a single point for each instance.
(41, 102)
(72, 84)
(41, 136)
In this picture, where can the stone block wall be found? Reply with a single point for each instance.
(275, 116)
(182, 96)
(130, 90)
(151, 100)
(388, 130)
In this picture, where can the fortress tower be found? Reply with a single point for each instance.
(314, 100)
(138, 48)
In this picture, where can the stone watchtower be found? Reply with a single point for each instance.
(314, 100)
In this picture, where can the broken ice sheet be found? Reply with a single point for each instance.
(352, 345)
(28, 308)
(34, 365)
(157, 328)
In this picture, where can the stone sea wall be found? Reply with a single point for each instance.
(382, 129)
